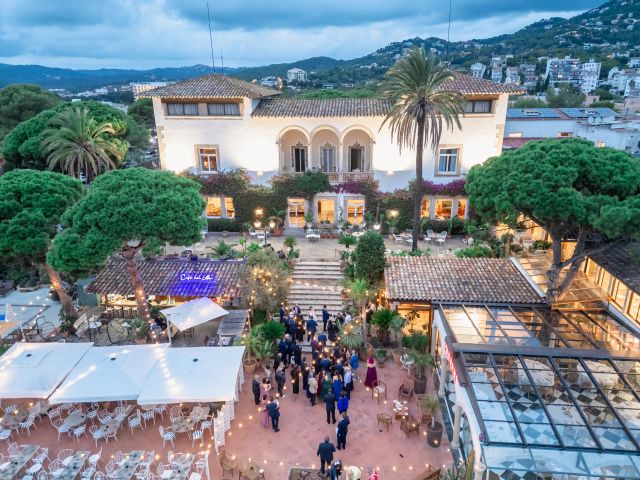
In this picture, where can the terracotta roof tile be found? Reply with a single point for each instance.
(322, 107)
(469, 85)
(623, 263)
(482, 280)
(163, 277)
(212, 86)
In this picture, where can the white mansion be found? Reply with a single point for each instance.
(215, 123)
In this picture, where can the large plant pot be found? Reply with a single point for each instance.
(249, 365)
(434, 434)
(397, 354)
(380, 362)
(420, 385)
(277, 233)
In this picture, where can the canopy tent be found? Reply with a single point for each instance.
(109, 373)
(34, 370)
(194, 374)
(195, 312)
(8, 322)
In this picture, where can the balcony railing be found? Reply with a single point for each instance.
(340, 177)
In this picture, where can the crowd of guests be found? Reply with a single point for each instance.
(326, 377)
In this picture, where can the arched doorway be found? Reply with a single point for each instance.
(294, 150)
(325, 149)
(357, 146)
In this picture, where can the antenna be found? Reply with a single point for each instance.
(221, 61)
(449, 29)
(213, 62)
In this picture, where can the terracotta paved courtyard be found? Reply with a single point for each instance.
(302, 427)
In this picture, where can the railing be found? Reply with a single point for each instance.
(339, 177)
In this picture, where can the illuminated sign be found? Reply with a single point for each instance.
(196, 277)
(452, 366)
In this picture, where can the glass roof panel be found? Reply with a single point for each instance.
(502, 432)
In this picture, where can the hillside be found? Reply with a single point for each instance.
(608, 33)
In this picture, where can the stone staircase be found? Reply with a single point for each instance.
(316, 284)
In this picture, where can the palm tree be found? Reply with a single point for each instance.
(76, 143)
(422, 107)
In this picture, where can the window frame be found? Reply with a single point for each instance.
(454, 173)
(351, 149)
(182, 105)
(303, 161)
(224, 107)
(473, 103)
(331, 148)
(199, 167)
(223, 206)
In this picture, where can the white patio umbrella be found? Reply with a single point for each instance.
(193, 313)
(109, 373)
(194, 374)
(34, 370)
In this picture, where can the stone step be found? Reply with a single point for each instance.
(318, 275)
(315, 292)
(318, 271)
(304, 262)
(317, 304)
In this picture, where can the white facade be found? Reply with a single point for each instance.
(619, 135)
(297, 75)
(496, 74)
(589, 76)
(512, 76)
(478, 69)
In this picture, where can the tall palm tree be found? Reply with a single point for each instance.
(76, 143)
(422, 108)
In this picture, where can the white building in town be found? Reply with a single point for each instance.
(512, 76)
(589, 76)
(297, 75)
(478, 69)
(215, 123)
(496, 74)
(139, 88)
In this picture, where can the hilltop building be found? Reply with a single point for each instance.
(478, 69)
(214, 123)
(297, 75)
(139, 88)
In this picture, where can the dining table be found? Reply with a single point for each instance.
(179, 469)
(128, 466)
(251, 471)
(13, 420)
(74, 420)
(15, 464)
(72, 465)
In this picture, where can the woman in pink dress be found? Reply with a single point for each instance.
(266, 423)
(371, 379)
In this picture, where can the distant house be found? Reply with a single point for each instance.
(273, 82)
(478, 69)
(297, 75)
(139, 88)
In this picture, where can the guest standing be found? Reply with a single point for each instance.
(348, 381)
(280, 380)
(372, 374)
(325, 317)
(255, 388)
(336, 386)
(295, 379)
(354, 361)
(342, 430)
(330, 405)
(336, 470)
(313, 389)
(312, 327)
(325, 451)
(325, 385)
(265, 411)
(274, 413)
(343, 403)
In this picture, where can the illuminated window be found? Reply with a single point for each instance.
(634, 306)
(443, 208)
(355, 211)
(448, 161)
(208, 159)
(600, 144)
(619, 295)
(326, 210)
(462, 208)
(424, 208)
(219, 207)
(181, 109)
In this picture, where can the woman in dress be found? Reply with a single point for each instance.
(371, 379)
(265, 387)
(266, 423)
(336, 386)
(325, 385)
(295, 379)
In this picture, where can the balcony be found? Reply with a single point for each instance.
(339, 177)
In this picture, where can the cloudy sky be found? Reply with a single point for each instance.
(150, 33)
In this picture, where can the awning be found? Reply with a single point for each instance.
(195, 312)
(8, 322)
(34, 370)
(109, 373)
(194, 374)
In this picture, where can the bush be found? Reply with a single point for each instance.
(272, 331)
(223, 225)
(541, 245)
(475, 251)
(455, 226)
(370, 257)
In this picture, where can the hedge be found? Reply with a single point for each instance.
(223, 225)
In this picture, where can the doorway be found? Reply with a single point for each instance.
(326, 210)
(356, 158)
(296, 212)
(299, 158)
(355, 211)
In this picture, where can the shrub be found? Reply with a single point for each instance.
(455, 226)
(475, 251)
(271, 331)
(370, 257)
(268, 280)
(541, 245)
(223, 225)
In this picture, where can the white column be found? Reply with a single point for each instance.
(457, 417)
(478, 470)
(444, 370)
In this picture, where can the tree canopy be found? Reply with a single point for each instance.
(142, 112)
(370, 257)
(23, 146)
(20, 102)
(152, 207)
(567, 96)
(569, 187)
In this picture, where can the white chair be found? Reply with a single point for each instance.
(142, 472)
(28, 424)
(175, 413)
(147, 458)
(207, 424)
(92, 412)
(441, 238)
(5, 434)
(196, 435)
(148, 416)
(42, 475)
(104, 417)
(13, 449)
(167, 435)
(54, 413)
(160, 470)
(408, 240)
(60, 426)
(398, 238)
(135, 421)
(170, 457)
(95, 458)
(40, 456)
(96, 434)
(98, 476)
(110, 467)
(79, 431)
(64, 454)
(118, 457)
(120, 414)
(55, 468)
(88, 472)
(160, 409)
(10, 408)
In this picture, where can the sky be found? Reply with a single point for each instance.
(156, 33)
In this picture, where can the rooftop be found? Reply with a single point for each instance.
(481, 280)
(175, 277)
(212, 86)
(558, 113)
(623, 263)
(316, 107)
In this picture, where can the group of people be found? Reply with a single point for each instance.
(325, 452)
(296, 325)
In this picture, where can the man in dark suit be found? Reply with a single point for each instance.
(255, 388)
(283, 348)
(273, 408)
(282, 312)
(280, 380)
(330, 404)
(325, 452)
(343, 429)
(325, 318)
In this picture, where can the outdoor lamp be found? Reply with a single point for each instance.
(272, 224)
(376, 227)
(393, 213)
(257, 224)
(258, 212)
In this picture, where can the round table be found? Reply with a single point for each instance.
(75, 419)
(407, 362)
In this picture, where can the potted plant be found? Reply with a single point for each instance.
(422, 362)
(347, 240)
(251, 341)
(221, 250)
(308, 218)
(139, 331)
(393, 224)
(383, 319)
(67, 323)
(431, 403)
(381, 357)
(350, 337)
(541, 245)
(244, 228)
(278, 223)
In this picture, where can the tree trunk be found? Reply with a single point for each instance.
(418, 193)
(63, 296)
(129, 255)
